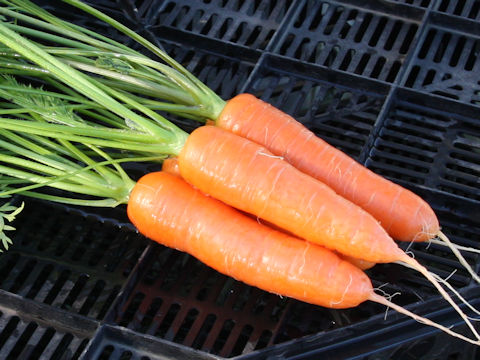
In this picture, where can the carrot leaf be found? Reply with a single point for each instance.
(8, 213)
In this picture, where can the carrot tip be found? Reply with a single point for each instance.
(410, 262)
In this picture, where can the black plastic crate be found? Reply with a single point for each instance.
(469, 9)
(248, 23)
(35, 331)
(446, 59)
(120, 343)
(392, 83)
(76, 263)
(351, 38)
(422, 142)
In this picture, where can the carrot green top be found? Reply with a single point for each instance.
(76, 104)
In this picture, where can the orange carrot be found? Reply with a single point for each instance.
(403, 214)
(166, 209)
(247, 176)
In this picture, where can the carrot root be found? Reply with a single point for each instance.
(457, 294)
(444, 240)
(458, 247)
(411, 262)
(381, 300)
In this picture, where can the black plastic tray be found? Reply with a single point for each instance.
(392, 83)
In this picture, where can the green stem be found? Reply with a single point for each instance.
(76, 80)
(68, 133)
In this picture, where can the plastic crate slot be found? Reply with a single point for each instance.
(362, 29)
(222, 30)
(392, 37)
(8, 330)
(57, 287)
(150, 314)
(75, 291)
(209, 24)
(347, 26)
(429, 78)
(379, 30)
(204, 332)
(329, 60)
(442, 47)
(92, 297)
(128, 314)
(263, 340)
(242, 344)
(239, 297)
(207, 286)
(23, 275)
(164, 330)
(347, 59)
(20, 346)
(314, 18)
(458, 51)
(177, 271)
(39, 281)
(42, 343)
(472, 56)
(394, 70)
(109, 300)
(10, 265)
(332, 22)
(474, 11)
(186, 325)
(362, 64)
(107, 351)
(223, 336)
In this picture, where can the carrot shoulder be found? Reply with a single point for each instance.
(168, 210)
(402, 213)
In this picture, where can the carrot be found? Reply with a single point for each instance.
(402, 213)
(247, 176)
(169, 211)
(171, 166)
